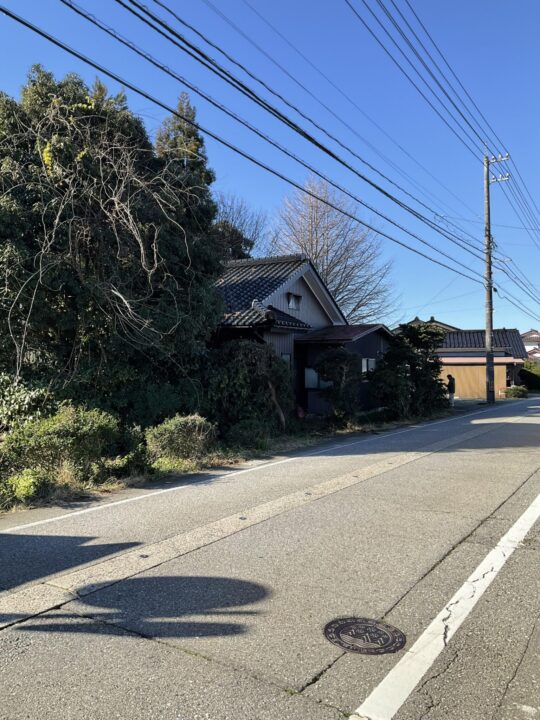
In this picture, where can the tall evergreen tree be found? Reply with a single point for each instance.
(107, 262)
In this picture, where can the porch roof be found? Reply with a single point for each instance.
(339, 334)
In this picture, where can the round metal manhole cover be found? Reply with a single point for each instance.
(362, 635)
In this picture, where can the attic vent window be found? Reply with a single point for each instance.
(293, 301)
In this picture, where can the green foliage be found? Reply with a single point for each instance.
(246, 380)
(343, 371)
(517, 391)
(185, 437)
(250, 433)
(21, 402)
(391, 388)
(27, 484)
(107, 254)
(73, 440)
(407, 381)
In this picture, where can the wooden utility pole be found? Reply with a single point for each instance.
(488, 250)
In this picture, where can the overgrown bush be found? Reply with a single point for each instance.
(250, 433)
(182, 436)
(27, 484)
(247, 380)
(407, 381)
(74, 441)
(517, 391)
(21, 402)
(391, 388)
(341, 370)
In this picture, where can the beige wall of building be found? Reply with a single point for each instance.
(471, 379)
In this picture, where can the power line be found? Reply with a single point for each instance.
(404, 72)
(96, 22)
(483, 117)
(293, 125)
(347, 97)
(517, 193)
(266, 105)
(117, 78)
(424, 64)
(219, 139)
(223, 73)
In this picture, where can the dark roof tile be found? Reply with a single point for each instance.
(255, 279)
(503, 339)
(341, 333)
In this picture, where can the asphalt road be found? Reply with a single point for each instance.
(206, 599)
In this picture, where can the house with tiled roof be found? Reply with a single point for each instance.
(284, 302)
(463, 354)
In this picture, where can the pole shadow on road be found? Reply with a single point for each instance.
(164, 607)
(30, 557)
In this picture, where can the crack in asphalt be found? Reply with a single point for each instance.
(319, 675)
(516, 670)
(473, 584)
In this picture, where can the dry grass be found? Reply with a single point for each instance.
(68, 489)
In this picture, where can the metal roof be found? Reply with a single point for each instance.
(507, 340)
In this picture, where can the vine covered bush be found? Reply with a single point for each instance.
(21, 402)
(247, 381)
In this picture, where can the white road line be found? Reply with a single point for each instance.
(154, 493)
(388, 697)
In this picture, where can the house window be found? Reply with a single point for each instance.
(368, 364)
(293, 301)
(313, 381)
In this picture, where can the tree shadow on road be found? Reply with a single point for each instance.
(29, 557)
(162, 607)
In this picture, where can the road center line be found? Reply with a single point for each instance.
(390, 694)
(235, 473)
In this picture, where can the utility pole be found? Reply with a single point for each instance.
(488, 250)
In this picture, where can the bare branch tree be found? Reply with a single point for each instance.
(242, 228)
(347, 256)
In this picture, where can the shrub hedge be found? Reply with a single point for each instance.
(182, 436)
(76, 440)
(517, 391)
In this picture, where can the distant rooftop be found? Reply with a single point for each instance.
(504, 339)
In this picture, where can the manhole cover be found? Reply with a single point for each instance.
(362, 635)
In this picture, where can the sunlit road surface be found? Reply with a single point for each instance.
(206, 599)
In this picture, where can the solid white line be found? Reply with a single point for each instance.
(154, 493)
(388, 697)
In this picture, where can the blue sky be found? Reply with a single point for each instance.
(491, 44)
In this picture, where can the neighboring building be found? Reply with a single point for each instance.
(368, 341)
(463, 354)
(431, 321)
(284, 302)
(531, 340)
(534, 354)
